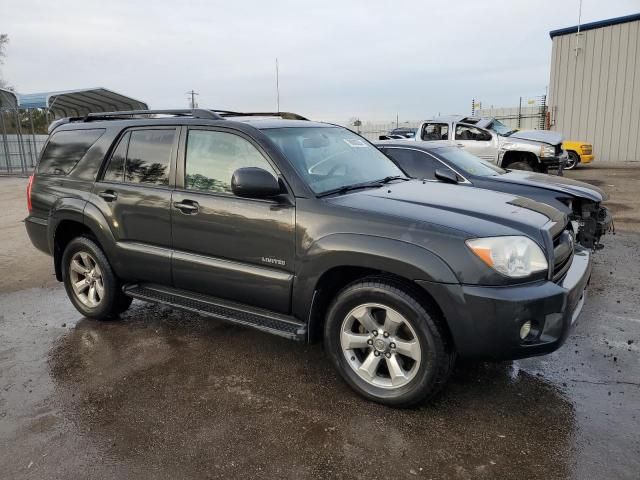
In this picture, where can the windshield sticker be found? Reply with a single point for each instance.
(354, 142)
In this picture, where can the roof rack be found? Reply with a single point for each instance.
(283, 115)
(195, 113)
(209, 114)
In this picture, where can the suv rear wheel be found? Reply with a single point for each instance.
(90, 282)
(386, 344)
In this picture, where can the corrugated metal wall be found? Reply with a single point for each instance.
(595, 95)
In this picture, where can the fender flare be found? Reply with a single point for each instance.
(397, 257)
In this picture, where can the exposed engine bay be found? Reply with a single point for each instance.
(593, 221)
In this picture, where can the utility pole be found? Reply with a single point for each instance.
(193, 94)
(277, 87)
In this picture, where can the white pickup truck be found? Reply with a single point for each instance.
(489, 139)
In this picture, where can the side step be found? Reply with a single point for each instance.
(278, 324)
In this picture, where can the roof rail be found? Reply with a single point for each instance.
(195, 113)
(283, 115)
(209, 114)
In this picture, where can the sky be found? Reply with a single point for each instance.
(337, 59)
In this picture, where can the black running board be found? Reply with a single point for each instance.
(277, 324)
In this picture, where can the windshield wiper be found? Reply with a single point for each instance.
(360, 186)
(349, 188)
(388, 179)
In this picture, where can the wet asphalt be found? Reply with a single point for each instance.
(167, 394)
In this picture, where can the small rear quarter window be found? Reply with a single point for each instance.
(65, 149)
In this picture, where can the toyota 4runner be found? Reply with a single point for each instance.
(307, 231)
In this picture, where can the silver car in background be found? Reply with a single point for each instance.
(491, 140)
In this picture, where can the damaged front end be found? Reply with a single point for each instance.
(590, 221)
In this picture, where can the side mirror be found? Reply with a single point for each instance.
(254, 182)
(446, 175)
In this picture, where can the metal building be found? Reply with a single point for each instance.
(20, 142)
(594, 89)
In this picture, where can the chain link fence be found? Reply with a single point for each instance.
(22, 136)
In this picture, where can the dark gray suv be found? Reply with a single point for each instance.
(307, 231)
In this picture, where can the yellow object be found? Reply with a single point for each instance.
(583, 149)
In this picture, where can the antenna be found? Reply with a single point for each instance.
(277, 87)
(193, 94)
(578, 32)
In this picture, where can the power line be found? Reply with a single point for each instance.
(193, 94)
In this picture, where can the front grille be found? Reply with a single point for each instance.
(563, 249)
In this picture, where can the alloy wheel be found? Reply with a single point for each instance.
(86, 279)
(380, 345)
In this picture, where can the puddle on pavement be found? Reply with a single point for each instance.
(183, 393)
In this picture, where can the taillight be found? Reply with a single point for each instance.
(29, 206)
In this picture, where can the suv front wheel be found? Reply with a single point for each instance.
(90, 282)
(386, 344)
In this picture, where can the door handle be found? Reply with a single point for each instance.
(187, 206)
(108, 195)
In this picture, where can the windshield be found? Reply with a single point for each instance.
(329, 158)
(500, 128)
(465, 162)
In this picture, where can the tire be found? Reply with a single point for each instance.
(521, 165)
(100, 296)
(420, 373)
(573, 161)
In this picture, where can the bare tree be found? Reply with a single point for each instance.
(4, 40)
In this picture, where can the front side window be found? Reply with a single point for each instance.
(212, 157)
(435, 131)
(329, 158)
(417, 164)
(465, 132)
(65, 149)
(148, 156)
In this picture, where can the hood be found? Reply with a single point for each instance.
(478, 212)
(544, 136)
(555, 183)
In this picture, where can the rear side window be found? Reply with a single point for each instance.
(148, 156)
(65, 149)
(115, 172)
(435, 131)
(142, 156)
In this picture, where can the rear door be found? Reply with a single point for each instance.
(134, 195)
(234, 248)
(477, 141)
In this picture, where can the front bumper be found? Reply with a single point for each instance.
(485, 322)
(554, 162)
(586, 158)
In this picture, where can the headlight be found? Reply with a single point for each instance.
(514, 256)
(548, 151)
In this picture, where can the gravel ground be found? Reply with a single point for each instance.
(166, 394)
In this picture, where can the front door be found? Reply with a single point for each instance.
(134, 195)
(477, 141)
(230, 247)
